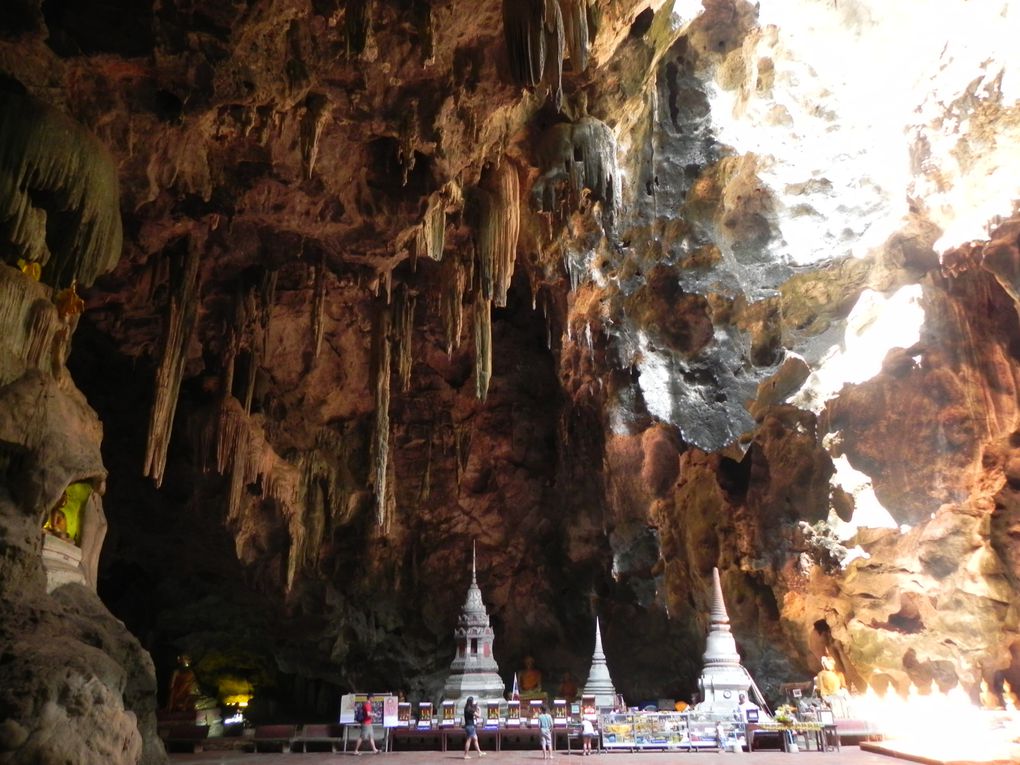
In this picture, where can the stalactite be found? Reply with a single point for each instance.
(451, 300)
(54, 174)
(482, 217)
(426, 26)
(507, 229)
(316, 112)
(267, 298)
(425, 487)
(523, 22)
(249, 383)
(431, 237)
(495, 217)
(575, 28)
(29, 320)
(581, 157)
(180, 324)
(483, 345)
(403, 334)
(357, 25)
(555, 47)
(318, 306)
(381, 446)
(408, 139)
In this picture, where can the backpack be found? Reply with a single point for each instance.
(359, 713)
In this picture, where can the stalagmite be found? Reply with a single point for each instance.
(315, 115)
(403, 334)
(180, 323)
(52, 169)
(483, 345)
(381, 446)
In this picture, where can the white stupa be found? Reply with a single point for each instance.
(724, 678)
(599, 683)
(474, 671)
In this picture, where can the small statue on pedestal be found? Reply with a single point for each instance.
(989, 698)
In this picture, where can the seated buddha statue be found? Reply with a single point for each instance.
(183, 687)
(831, 687)
(568, 687)
(530, 681)
(56, 521)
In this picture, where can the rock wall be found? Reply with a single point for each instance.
(621, 290)
(76, 686)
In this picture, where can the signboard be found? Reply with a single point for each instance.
(384, 708)
(449, 716)
(492, 714)
(534, 710)
(403, 714)
(513, 714)
(588, 709)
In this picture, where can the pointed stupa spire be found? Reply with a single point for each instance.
(599, 683)
(718, 615)
(724, 678)
(474, 671)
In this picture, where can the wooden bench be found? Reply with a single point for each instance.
(331, 735)
(186, 735)
(274, 736)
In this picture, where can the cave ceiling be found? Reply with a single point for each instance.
(620, 290)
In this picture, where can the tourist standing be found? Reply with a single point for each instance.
(587, 734)
(545, 724)
(367, 731)
(470, 729)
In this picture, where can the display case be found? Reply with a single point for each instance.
(666, 730)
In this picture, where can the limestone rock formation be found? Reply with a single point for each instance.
(623, 290)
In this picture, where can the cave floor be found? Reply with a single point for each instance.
(846, 756)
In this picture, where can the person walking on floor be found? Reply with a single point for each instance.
(367, 732)
(470, 731)
(545, 725)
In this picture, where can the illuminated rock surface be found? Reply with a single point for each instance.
(379, 297)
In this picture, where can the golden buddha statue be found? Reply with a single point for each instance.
(568, 687)
(530, 681)
(56, 521)
(830, 685)
(183, 687)
(989, 698)
(1009, 698)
